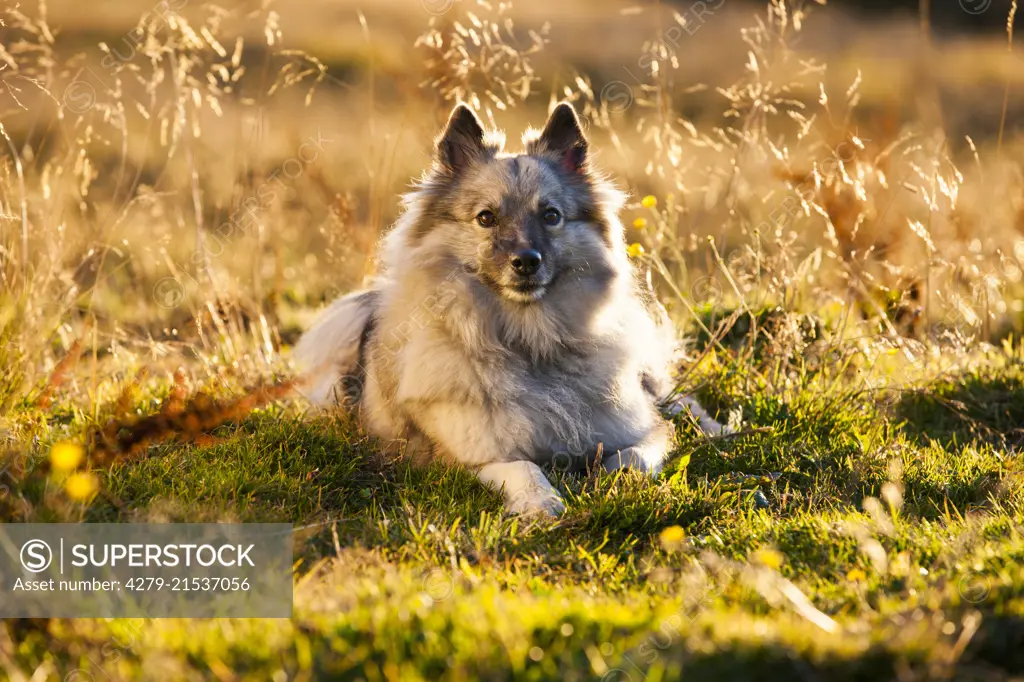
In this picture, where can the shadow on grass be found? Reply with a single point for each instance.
(973, 408)
(830, 452)
(271, 468)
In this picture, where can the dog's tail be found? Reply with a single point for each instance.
(330, 356)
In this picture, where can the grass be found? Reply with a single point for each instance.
(836, 540)
(848, 276)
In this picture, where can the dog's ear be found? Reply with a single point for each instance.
(563, 137)
(462, 141)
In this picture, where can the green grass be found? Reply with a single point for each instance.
(849, 535)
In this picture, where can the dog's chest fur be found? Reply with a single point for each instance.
(541, 391)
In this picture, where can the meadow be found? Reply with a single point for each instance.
(829, 206)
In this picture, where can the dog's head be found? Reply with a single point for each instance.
(521, 223)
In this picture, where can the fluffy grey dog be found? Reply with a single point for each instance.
(507, 328)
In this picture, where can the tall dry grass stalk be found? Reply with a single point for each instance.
(1006, 90)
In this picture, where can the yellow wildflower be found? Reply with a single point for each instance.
(672, 537)
(640, 223)
(856, 575)
(65, 456)
(649, 201)
(770, 558)
(635, 250)
(81, 486)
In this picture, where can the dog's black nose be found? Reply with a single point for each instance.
(526, 262)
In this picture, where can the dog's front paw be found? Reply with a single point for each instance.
(708, 424)
(535, 503)
(526, 489)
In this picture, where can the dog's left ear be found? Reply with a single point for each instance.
(462, 142)
(563, 137)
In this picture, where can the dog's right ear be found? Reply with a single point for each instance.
(462, 142)
(563, 137)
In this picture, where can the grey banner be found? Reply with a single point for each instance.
(127, 570)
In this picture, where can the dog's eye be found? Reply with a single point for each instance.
(486, 219)
(552, 216)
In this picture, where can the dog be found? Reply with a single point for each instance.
(507, 329)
